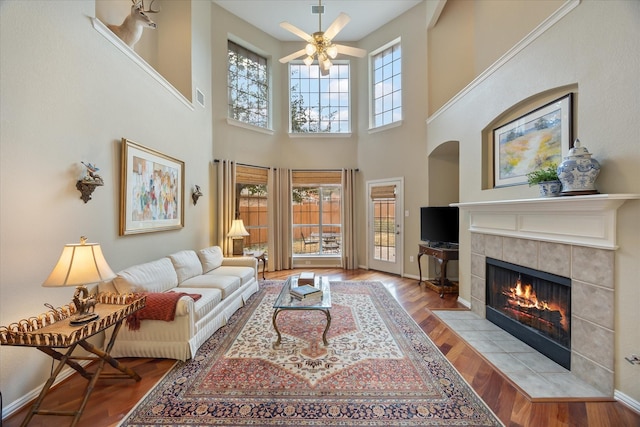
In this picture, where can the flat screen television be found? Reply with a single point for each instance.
(439, 225)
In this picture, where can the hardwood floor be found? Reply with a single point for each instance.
(111, 400)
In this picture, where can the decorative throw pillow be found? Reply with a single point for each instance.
(187, 264)
(154, 276)
(211, 258)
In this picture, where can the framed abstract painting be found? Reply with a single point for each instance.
(533, 141)
(152, 190)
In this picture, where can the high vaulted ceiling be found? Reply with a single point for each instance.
(366, 15)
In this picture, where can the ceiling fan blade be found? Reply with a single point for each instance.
(295, 30)
(337, 25)
(294, 55)
(351, 51)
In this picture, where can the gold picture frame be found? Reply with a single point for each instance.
(151, 190)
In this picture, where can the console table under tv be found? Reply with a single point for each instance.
(443, 254)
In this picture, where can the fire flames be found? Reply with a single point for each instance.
(526, 296)
(523, 299)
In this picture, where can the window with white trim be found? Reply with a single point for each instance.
(248, 85)
(319, 104)
(386, 78)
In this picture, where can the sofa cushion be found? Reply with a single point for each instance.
(206, 303)
(154, 276)
(245, 274)
(187, 264)
(211, 258)
(227, 284)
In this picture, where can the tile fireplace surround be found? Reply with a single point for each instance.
(573, 237)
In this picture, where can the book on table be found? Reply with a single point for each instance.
(312, 299)
(306, 292)
(306, 278)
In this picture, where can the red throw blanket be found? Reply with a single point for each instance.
(159, 306)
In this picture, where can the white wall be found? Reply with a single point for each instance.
(397, 151)
(68, 95)
(596, 48)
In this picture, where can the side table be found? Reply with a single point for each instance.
(260, 256)
(443, 256)
(51, 331)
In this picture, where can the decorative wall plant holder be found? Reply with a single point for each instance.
(196, 194)
(87, 185)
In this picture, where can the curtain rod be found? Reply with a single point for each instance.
(321, 170)
(268, 167)
(243, 164)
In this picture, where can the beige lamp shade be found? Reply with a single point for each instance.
(237, 229)
(80, 264)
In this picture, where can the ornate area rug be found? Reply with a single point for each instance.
(379, 369)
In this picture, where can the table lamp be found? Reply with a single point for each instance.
(79, 265)
(237, 233)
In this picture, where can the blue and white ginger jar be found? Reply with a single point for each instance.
(578, 171)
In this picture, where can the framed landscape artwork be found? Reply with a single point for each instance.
(152, 190)
(533, 141)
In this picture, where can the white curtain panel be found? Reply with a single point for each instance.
(349, 255)
(226, 203)
(279, 194)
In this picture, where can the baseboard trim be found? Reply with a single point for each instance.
(626, 400)
(20, 403)
(464, 302)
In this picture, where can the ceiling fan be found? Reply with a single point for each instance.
(320, 45)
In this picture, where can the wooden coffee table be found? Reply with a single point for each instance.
(286, 302)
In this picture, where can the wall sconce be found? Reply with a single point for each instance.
(89, 182)
(196, 195)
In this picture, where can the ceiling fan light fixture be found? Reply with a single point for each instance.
(332, 51)
(326, 63)
(308, 61)
(310, 49)
(319, 45)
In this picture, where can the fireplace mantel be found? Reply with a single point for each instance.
(577, 220)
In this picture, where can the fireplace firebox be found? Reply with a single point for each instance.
(532, 305)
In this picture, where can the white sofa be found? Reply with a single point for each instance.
(224, 283)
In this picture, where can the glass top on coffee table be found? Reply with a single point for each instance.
(285, 300)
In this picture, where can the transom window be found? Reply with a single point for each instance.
(386, 66)
(319, 104)
(248, 86)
